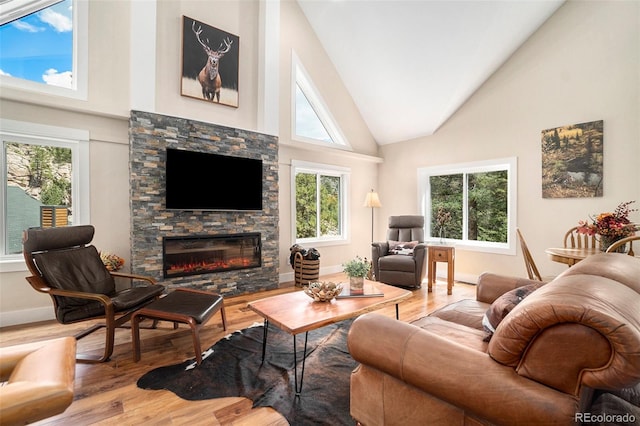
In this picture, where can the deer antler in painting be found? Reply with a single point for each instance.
(209, 77)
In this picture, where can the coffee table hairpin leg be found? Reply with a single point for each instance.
(264, 339)
(298, 387)
(295, 362)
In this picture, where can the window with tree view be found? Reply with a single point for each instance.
(319, 205)
(479, 199)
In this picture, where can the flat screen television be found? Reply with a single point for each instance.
(205, 181)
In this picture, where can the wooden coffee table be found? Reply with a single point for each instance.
(297, 313)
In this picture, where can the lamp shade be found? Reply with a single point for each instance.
(372, 200)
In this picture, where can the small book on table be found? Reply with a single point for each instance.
(368, 290)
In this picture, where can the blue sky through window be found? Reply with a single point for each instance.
(39, 47)
(307, 122)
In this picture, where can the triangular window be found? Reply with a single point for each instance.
(312, 121)
(308, 124)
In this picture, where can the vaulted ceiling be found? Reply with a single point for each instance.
(410, 64)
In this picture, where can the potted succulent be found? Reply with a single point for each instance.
(356, 269)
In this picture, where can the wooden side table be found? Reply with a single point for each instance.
(441, 253)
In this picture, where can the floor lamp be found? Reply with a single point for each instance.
(372, 201)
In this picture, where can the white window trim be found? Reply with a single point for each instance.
(80, 66)
(327, 170)
(509, 164)
(300, 77)
(10, 10)
(78, 141)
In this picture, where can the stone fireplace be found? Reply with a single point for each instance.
(202, 254)
(153, 226)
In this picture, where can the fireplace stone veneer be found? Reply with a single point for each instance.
(151, 223)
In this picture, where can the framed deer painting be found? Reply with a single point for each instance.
(210, 63)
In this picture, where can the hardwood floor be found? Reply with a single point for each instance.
(107, 394)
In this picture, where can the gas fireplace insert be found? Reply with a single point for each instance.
(203, 254)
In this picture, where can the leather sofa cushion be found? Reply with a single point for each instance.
(466, 312)
(469, 337)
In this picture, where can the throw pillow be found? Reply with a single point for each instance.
(504, 304)
(402, 247)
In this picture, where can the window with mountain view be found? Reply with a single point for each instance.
(44, 180)
(38, 189)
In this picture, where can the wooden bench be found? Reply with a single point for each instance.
(187, 306)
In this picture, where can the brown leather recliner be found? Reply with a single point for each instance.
(405, 270)
(572, 336)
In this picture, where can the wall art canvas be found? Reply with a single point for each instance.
(572, 161)
(210, 63)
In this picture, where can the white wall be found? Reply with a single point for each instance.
(296, 35)
(581, 66)
(236, 17)
(106, 111)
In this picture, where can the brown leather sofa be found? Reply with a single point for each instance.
(39, 379)
(572, 336)
(402, 270)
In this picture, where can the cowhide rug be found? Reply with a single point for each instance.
(232, 367)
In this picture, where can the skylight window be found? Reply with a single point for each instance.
(311, 119)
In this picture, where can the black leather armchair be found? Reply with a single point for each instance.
(404, 269)
(65, 266)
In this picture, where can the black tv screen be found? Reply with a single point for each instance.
(204, 181)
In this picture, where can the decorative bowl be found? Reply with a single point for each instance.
(322, 291)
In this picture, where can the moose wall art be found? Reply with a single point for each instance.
(209, 63)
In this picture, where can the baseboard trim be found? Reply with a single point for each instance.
(324, 270)
(463, 278)
(26, 316)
